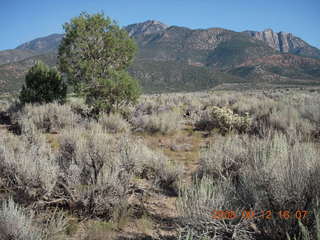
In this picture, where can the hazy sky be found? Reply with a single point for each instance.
(25, 20)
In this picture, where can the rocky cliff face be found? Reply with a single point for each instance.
(282, 41)
(285, 42)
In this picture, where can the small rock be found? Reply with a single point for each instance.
(181, 148)
(139, 130)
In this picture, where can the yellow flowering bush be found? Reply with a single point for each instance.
(224, 120)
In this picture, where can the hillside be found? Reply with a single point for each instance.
(280, 67)
(172, 76)
(173, 58)
(154, 76)
(12, 74)
(15, 55)
(214, 47)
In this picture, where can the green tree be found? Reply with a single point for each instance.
(43, 85)
(94, 54)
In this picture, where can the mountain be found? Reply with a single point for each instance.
(154, 76)
(285, 43)
(172, 76)
(12, 74)
(173, 58)
(281, 67)
(215, 47)
(15, 55)
(42, 45)
(148, 27)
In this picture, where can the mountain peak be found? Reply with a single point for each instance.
(144, 28)
(153, 22)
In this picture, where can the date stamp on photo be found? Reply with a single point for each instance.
(264, 214)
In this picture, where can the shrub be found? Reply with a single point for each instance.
(224, 157)
(28, 166)
(304, 233)
(288, 120)
(43, 85)
(114, 123)
(113, 93)
(196, 204)
(82, 109)
(164, 122)
(15, 224)
(46, 118)
(145, 163)
(89, 165)
(272, 173)
(87, 150)
(99, 168)
(224, 120)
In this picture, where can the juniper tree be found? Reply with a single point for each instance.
(43, 85)
(94, 55)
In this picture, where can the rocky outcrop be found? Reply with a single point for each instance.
(267, 36)
(285, 42)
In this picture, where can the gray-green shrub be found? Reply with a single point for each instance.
(46, 117)
(29, 166)
(164, 122)
(272, 173)
(17, 223)
(114, 123)
(196, 204)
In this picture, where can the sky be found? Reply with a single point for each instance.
(25, 20)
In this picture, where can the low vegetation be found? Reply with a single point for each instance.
(261, 154)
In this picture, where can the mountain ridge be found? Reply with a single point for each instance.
(43, 44)
(199, 58)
